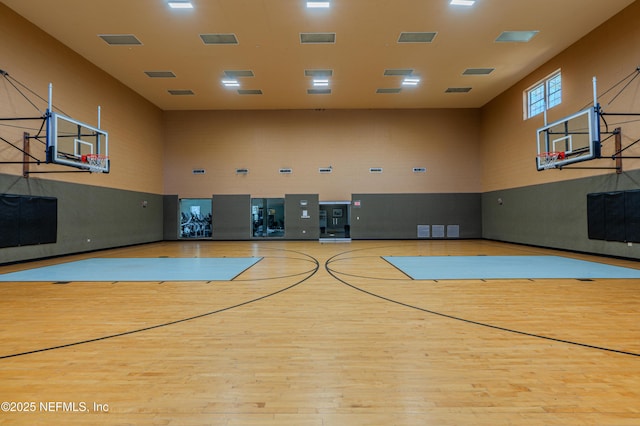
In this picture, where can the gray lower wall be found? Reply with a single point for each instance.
(298, 227)
(89, 217)
(171, 219)
(378, 216)
(397, 216)
(554, 215)
(231, 217)
(551, 215)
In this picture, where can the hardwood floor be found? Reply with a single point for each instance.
(321, 334)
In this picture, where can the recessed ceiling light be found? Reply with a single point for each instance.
(230, 83)
(410, 81)
(318, 4)
(180, 5)
(320, 82)
(462, 2)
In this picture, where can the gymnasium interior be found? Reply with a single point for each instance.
(296, 215)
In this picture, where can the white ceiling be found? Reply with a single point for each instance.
(268, 34)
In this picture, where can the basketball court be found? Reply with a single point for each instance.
(306, 333)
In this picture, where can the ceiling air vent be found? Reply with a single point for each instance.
(286, 171)
(394, 72)
(120, 39)
(250, 92)
(318, 73)
(419, 170)
(392, 90)
(242, 171)
(238, 73)
(375, 170)
(219, 38)
(317, 38)
(458, 90)
(426, 37)
(318, 91)
(198, 171)
(160, 74)
(478, 71)
(516, 36)
(325, 169)
(180, 92)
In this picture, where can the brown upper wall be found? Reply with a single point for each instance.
(134, 125)
(610, 53)
(350, 141)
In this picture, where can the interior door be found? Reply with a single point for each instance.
(267, 217)
(335, 220)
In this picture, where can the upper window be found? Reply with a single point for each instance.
(543, 95)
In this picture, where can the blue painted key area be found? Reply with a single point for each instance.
(139, 269)
(504, 267)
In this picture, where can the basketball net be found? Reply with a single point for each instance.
(97, 162)
(548, 160)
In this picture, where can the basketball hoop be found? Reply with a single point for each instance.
(97, 163)
(548, 160)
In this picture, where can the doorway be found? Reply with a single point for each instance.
(195, 218)
(267, 217)
(335, 221)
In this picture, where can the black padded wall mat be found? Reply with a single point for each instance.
(614, 216)
(27, 220)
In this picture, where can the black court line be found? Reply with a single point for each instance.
(335, 274)
(397, 268)
(308, 259)
(407, 277)
(246, 269)
(166, 324)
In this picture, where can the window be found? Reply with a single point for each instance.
(543, 95)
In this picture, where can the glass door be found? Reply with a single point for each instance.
(195, 218)
(335, 220)
(267, 217)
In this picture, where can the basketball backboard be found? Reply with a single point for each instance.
(76, 144)
(572, 140)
